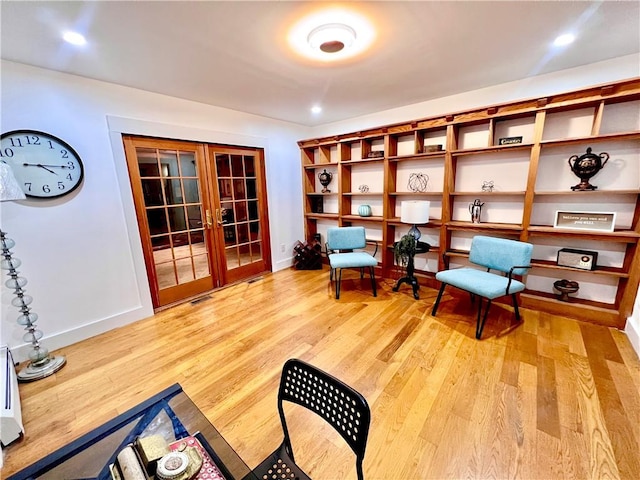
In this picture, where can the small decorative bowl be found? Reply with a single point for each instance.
(565, 287)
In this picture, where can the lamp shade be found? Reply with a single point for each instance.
(9, 187)
(415, 212)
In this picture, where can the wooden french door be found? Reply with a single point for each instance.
(241, 211)
(201, 214)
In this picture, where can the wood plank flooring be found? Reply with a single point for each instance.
(553, 398)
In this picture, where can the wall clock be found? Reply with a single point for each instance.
(44, 165)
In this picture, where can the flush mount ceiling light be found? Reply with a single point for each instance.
(332, 34)
(331, 38)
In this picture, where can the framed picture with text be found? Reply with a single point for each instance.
(599, 221)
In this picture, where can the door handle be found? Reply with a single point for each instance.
(219, 216)
(209, 223)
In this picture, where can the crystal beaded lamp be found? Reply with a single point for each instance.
(41, 364)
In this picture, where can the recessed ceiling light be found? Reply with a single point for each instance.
(74, 38)
(565, 39)
(316, 109)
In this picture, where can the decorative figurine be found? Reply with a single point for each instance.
(586, 166)
(325, 179)
(475, 209)
(487, 186)
(363, 188)
(418, 182)
(565, 287)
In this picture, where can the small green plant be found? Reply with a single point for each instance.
(404, 249)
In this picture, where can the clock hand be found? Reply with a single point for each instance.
(39, 165)
(44, 165)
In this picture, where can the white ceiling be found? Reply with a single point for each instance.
(234, 54)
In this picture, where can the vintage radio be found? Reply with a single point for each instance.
(582, 259)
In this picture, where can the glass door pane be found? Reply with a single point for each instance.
(239, 206)
(174, 213)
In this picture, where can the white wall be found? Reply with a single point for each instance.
(563, 81)
(632, 328)
(81, 254)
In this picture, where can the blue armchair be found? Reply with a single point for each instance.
(341, 241)
(508, 257)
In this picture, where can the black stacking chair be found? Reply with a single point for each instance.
(340, 405)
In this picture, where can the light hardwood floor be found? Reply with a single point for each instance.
(553, 398)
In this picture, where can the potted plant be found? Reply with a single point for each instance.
(404, 249)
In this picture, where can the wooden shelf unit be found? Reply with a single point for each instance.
(532, 180)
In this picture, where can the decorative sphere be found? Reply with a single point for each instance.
(32, 336)
(364, 210)
(28, 319)
(10, 263)
(21, 300)
(17, 282)
(38, 354)
(8, 243)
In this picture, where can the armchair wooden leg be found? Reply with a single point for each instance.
(435, 305)
(338, 280)
(373, 281)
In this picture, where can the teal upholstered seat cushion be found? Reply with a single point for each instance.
(352, 260)
(485, 284)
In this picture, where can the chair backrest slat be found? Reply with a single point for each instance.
(500, 253)
(346, 238)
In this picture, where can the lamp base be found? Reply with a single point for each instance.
(35, 372)
(414, 232)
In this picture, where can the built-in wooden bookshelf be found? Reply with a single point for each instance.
(531, 181)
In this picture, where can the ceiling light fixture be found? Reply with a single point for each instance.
(332, 37)
(316, 109)
(563, 40)
(74, 38)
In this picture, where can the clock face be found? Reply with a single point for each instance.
(44, 165)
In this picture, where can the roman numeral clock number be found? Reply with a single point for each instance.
(44, 165)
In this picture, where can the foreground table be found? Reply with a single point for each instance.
(170, 413)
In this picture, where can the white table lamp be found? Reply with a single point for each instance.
(414, 212)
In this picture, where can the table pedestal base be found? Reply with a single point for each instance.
(413, 281)
(410, 279)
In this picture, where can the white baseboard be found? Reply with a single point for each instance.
(283, 264)
(634, 335)
(83, 332)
